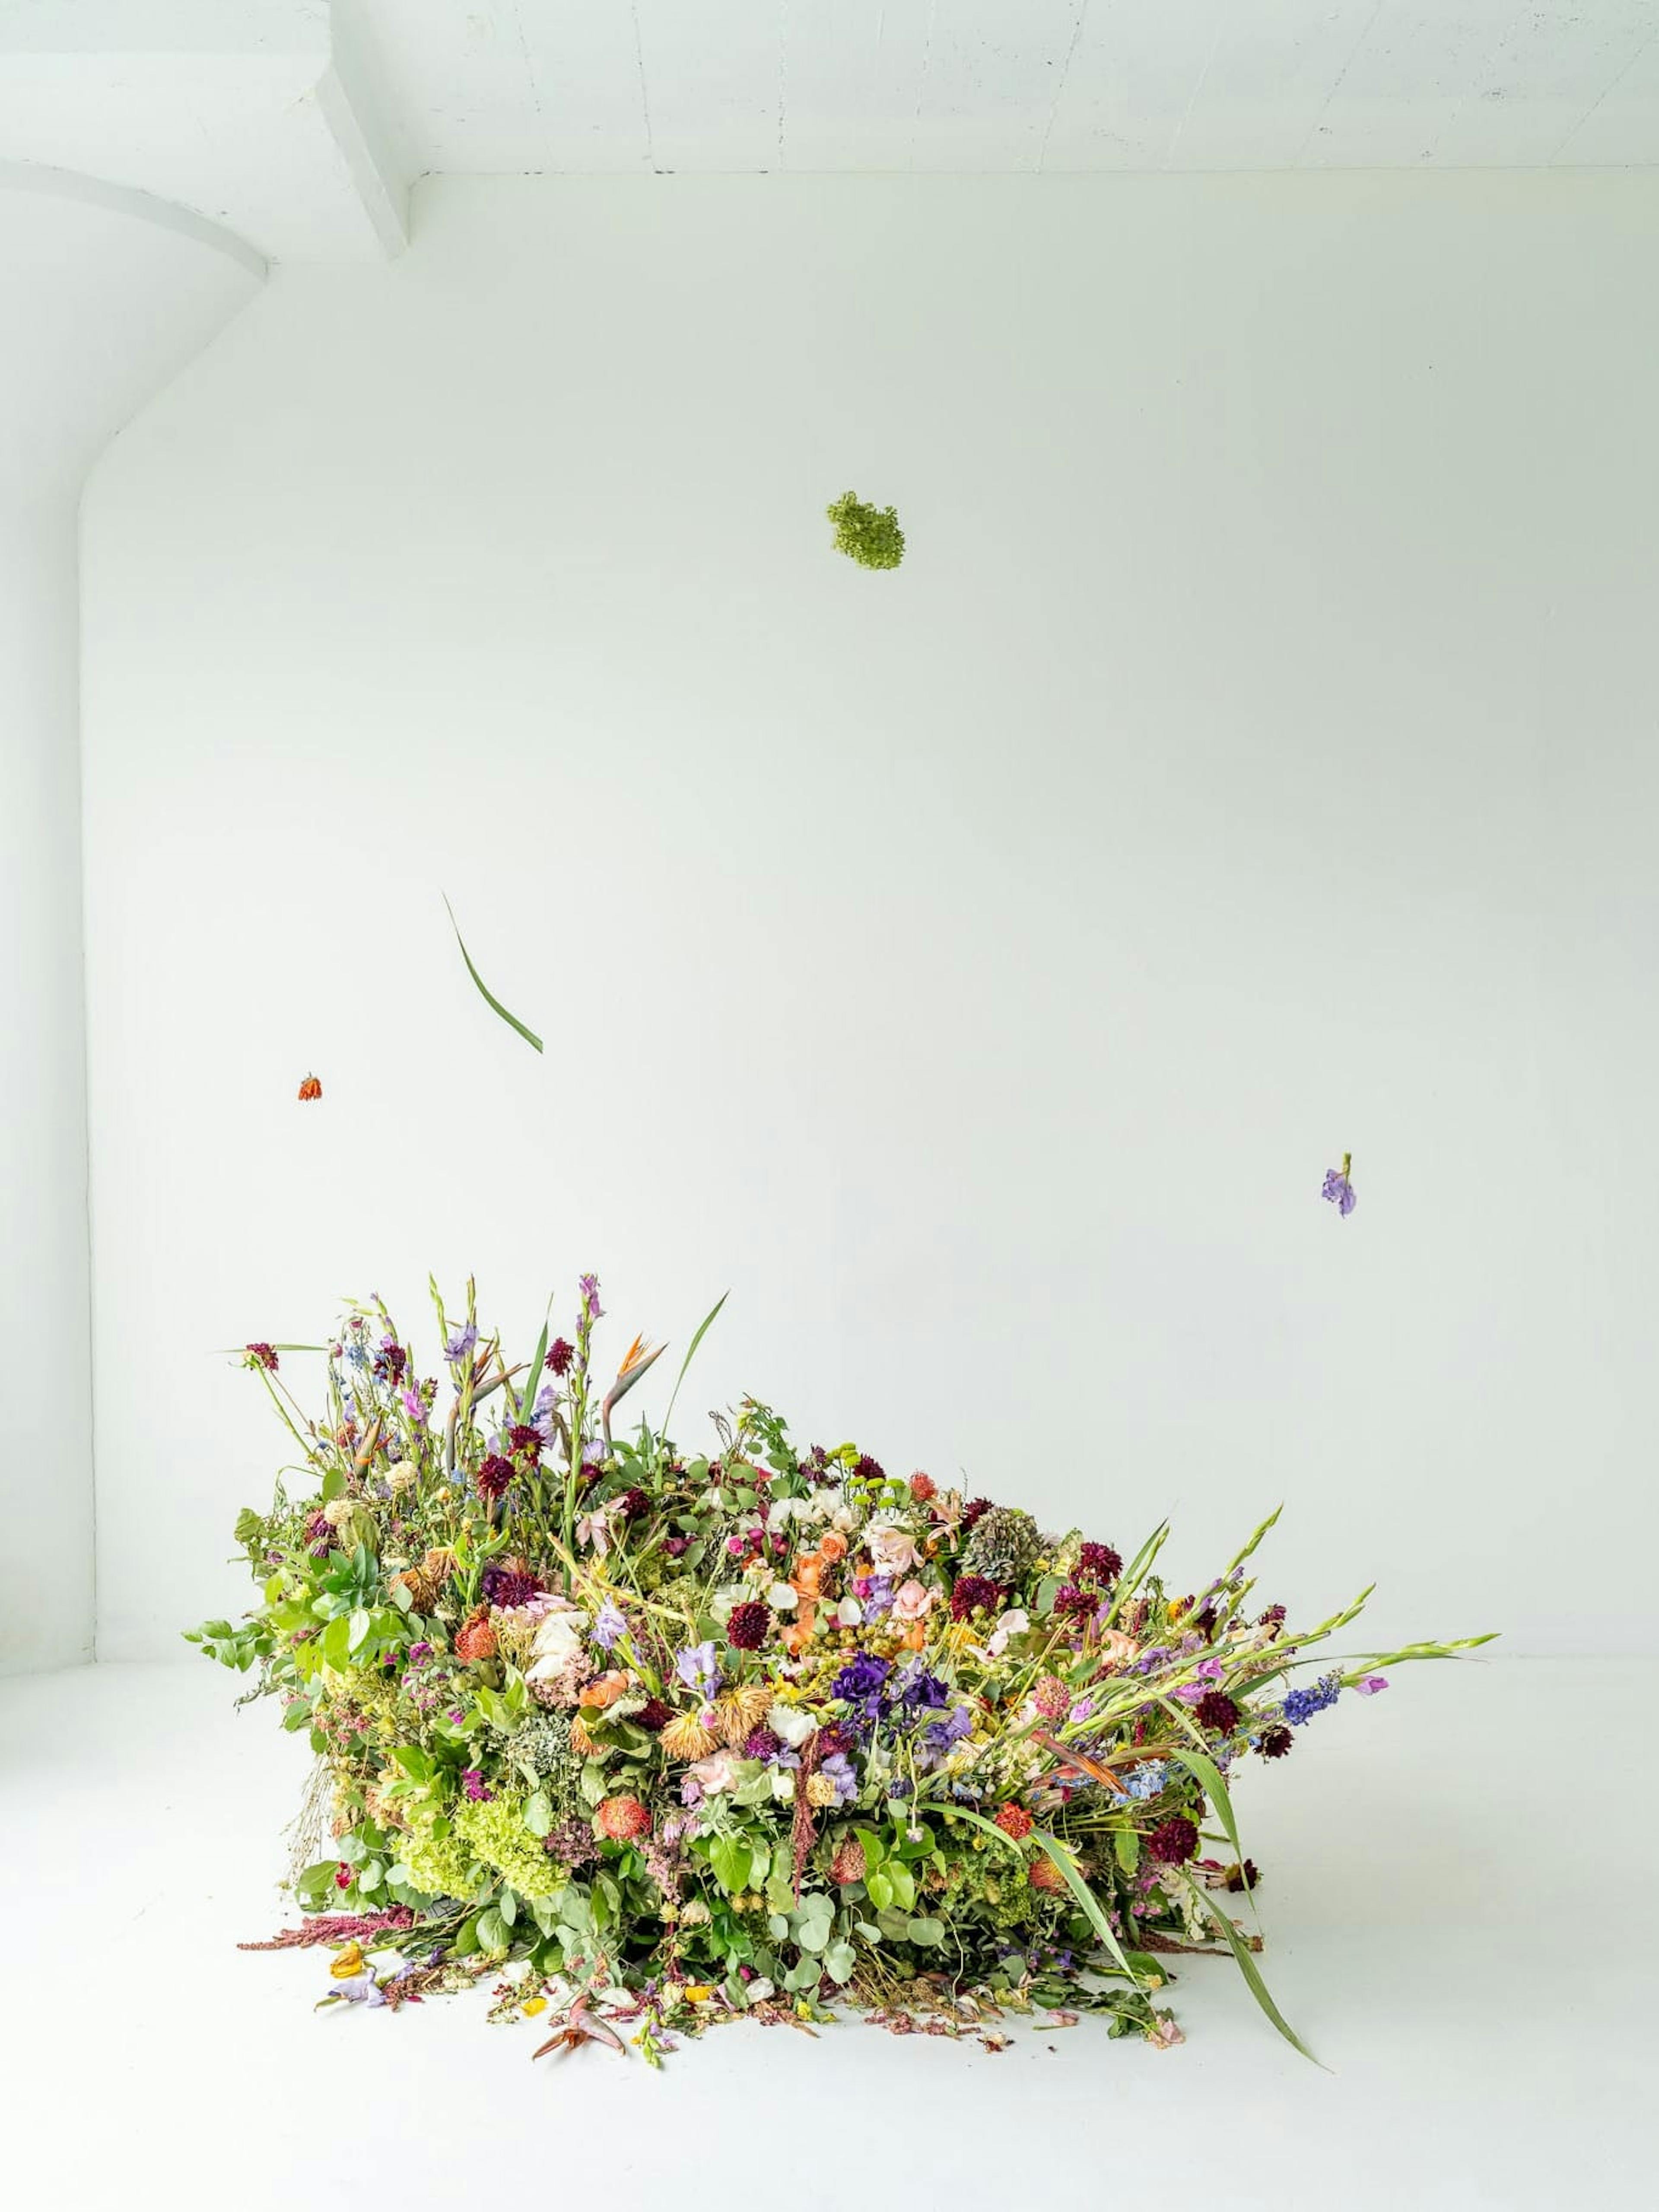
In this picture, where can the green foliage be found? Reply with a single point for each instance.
(869, 535)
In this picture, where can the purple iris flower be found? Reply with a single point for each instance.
(609, 1623)
(698, 1667)
(1338, 1188)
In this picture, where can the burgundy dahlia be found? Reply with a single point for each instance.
(1173, 1841)
(869, 1470)
(975, 1509)
(747, 1625)
(632, 1504)
(1275, 1742)
(559, 1357)
(1216, 1711)
(493, 1475)
(1099, 1563)
(972, 1591)
(526, 1442)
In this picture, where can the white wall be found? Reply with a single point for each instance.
(976, 968)
(101, 302)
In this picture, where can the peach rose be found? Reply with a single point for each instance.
(603, 1691)
(831, 1547)
(911, 1601)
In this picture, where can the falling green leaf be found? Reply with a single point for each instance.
(512, 1020)
(1246, 1965)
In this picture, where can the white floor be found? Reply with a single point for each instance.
(1458, 1896)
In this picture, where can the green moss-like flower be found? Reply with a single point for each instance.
(495, 1829)
(1004, 1545)
(869, 535)
(540, 1749)
(438, 1867)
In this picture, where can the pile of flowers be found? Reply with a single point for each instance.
(662, 1738)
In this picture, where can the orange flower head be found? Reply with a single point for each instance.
(311, 1088)
(621, 1819)
(603, 1691)
(832, 1547)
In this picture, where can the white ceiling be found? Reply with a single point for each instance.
(299, 125)
(1015, 85)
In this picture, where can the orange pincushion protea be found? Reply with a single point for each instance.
(1014, 1821)
(1045, 1874)
(311, 1088)
(621, 1819)
(477, 1639)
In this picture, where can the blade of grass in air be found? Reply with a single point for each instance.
(488, 995)
(1246, 1965)
(702, 1331)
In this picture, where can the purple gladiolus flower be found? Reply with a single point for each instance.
(361, 1989)
(609, 1623)
(1371, 1685)
(698, 1667)
(590, 1290)
(839, 1769)
(462, 1342)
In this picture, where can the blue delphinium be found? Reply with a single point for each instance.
(1300, 1705)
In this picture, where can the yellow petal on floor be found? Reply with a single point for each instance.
(534, 2005)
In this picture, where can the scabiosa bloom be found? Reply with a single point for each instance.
(1216, 1711)
(1338, 1188)
(509, 1583)
(262, 1355)
(1244, 1874)
(1072, 1603)
(747, 1625)
(1099, 1563)
(761, 1743)
(975, 1511)
(869, 1470)
(1174, 1841)
(560, 1354)
(493, 1475)
(971, 1592)
(632, 1504)
(589, 1286)
(654, 1714)
(1300, 1705)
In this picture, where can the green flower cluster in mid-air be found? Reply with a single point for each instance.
(869, 535)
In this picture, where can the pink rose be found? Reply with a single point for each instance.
(911, 1601)
(892, 1550)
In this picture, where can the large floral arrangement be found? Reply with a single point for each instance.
(660, 1738)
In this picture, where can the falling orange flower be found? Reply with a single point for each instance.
(311, 1088)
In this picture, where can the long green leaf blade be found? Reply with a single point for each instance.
(1248, 1967)
(702, 1329)
(488, 996)
(1060, 1857)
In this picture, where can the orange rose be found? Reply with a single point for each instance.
(832, 1547)
(603, 1691)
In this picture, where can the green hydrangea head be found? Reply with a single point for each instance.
(1004, 1545)
(869, 535)
(495, 1829)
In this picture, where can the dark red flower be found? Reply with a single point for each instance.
(677, 1546)
(343, 1877)
(761, 1743)
(972, 1590)
(975, 1509)
(262, 1355)
(654, 1714)
(525, 1441)
(1275, 1742)
(1243, 1876)
(559, 1357)
(505, 1584)
(632, 1504)
(747, 1625)
(1274, 1618)
(1217, 1711)
(494, 1476)
(1099, 1563)
(869, 1470)
(1014, 1821)
(1074, 1604)
(1173, 1841)
(390, 1361)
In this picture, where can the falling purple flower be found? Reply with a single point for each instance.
(1371, 1685)
(590, 1290)
(1338, 1188)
